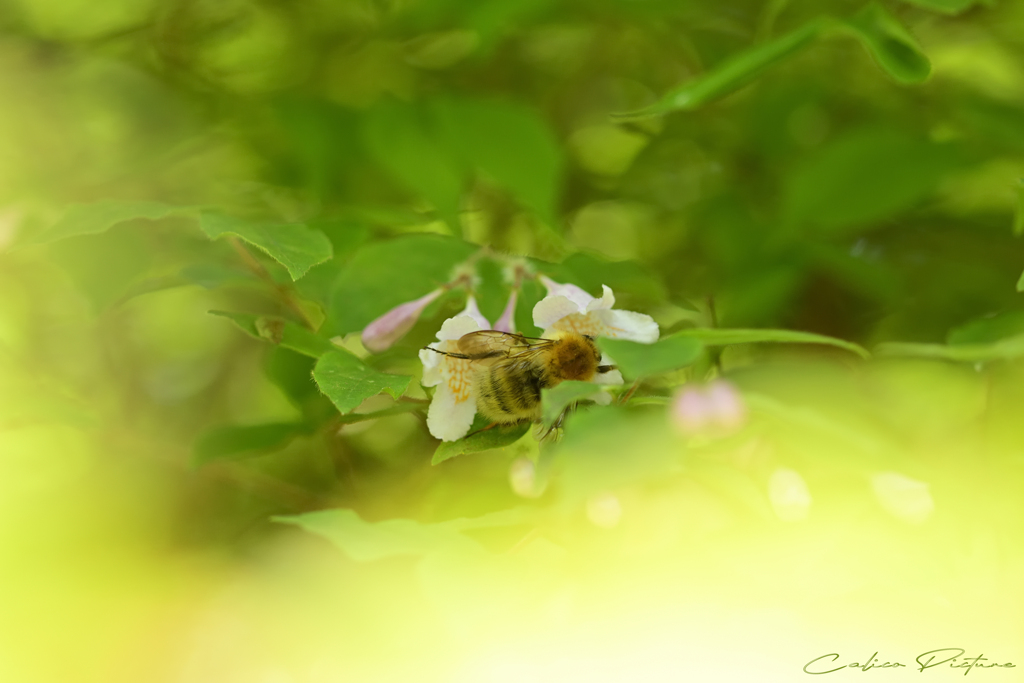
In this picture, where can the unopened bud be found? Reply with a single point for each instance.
(380, 334)
(507, 321)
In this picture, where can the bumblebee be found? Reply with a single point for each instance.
(510, 370)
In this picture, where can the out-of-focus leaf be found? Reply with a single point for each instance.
(1020, 283)
(528, 161)
(235, 442)
(295, 246)
(730, 75)
(1011, 347)
(556, 400)
(863, 177)
(891, 45)
(1018, 215)
(399, 139)
(496, 437)
(280, 331)
(607, 447)
(725, 337)
(888, 42)
(988, 329)
(639, 360)
(944, 6)
(211, 276)
(367, 541)
(383, 275)
(106, 267)
(90, 219)
(348, 381)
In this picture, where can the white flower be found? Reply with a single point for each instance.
(453, 407)
(567, 308)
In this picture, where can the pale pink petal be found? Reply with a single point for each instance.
(551, 309)
(575, 294)
(606, 301)
(390, 327)
(473, 311)
(626, 325)
(450, 418)
(507, 321)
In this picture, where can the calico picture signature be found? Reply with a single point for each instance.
(953, 657)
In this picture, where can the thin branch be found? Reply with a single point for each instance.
(284, 291)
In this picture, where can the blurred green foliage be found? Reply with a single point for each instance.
(775, 194)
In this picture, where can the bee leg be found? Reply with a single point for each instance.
(446, 353)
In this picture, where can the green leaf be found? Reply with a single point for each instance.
(988, 329)
(91, 219)
(730, 75)
(944, 6)
(863, 177)
(233, 443)
(640, 360)
(885, 39)
(1020, 283)
(1018, 215)
(400, 140)
(496, 437)
(528, 162)
(557, 399)
(889, 43)
(1011, 347)
(367, 541)
(385, 274)
(279, 331)
(347, 381)
(724, 337)
(295, 246)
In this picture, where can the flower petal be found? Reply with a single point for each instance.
(610, 377)
(431, 366)
(473, 311)
(627, 325)
(449, 418)
(551, 309)
(455, 328)
(575, 294)
(606, 301)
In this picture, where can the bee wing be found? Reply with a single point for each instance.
(495, 344)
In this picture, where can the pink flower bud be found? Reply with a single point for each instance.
(691, 411)
(717, 407)
(726, 404)
(507, 321)
(380, 334)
